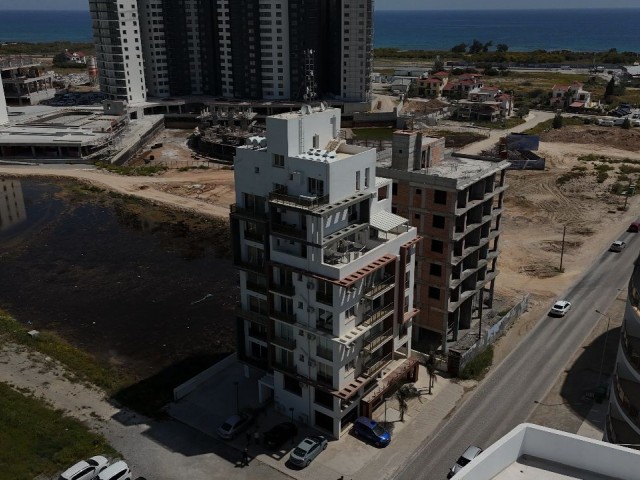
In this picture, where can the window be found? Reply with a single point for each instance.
(418, 191)
(438, 221)
(416, 216)
(366, 177)
(434, 293)
(292, 385)
(383, 193)
(440, 197)
(278, 160)
(316, 187)
(394, 189)
(435, 270)
(357, 180)
(325, 373)
(324, 348)
(437, 246)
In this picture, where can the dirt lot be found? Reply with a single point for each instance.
(536, 210)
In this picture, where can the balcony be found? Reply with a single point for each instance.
(257, 333)
(254, 236)
(248, 213)
(284, 367)
(280, 197)
(257, 317)
(376, 316)
(377, 340)
(257, 287)
(375, 365)
(251, 266)
(285, 343)
(288, 231)
(379, 288)
(287, 289)
(283, 316)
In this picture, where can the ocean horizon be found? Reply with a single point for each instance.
(579, 30)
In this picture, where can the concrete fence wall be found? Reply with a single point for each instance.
(460, 359)
(129, 152)
(190, 385)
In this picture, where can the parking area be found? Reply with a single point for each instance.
(206, 408)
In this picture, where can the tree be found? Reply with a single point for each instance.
(485, 47)
(438, 65)
(502, 47)
(626, 124)
(608, 92)
(522, 111)
(460, 48)
(557, 121)
(476, 46)
(403, 394)
(429, 363)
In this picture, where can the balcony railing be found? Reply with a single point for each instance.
(287, 290)
(289, 230)
(284, 367)
(301, 201)
(326, 299)
(324, 380)
(375, 365)
(378, 339)
(258, 333)
(260, 318)
(284, 316)
(286, 343)
(252, 266)
(374, 317)
(255, 236)
(251, 213)
(380, 287)
(257, 287)
(325, 353)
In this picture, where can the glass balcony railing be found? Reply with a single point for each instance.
(373, 366)
(373, 317)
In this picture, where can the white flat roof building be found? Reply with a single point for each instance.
(532, 452)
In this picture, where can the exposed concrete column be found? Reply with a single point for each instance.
(33, 152)
(59, 152)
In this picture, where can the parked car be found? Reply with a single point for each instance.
(233, 425)
(604, 122)
(117, 471)
(85, 469)
(560, 308)
(371, 431)
(469, 454)
(280, 434)
(617, 246)
(307, 450)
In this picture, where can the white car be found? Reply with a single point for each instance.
(85, 469)
(560, 308)
(117, 471)
(469, 454)
(617, 246)
(232, 425)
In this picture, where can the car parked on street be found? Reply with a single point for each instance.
(617, 246)
(85, 469)
(560, 308)
(280, 434)
(371, 431)
(233, 425)
(117, 471)
(469, 454)
(307, 450)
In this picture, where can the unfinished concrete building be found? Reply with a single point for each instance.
(25, 82)
(456, 205)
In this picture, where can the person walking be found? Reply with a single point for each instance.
(245, 457)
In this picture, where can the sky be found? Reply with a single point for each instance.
(379, 4)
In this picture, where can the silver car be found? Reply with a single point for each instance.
(466, 457)
(307, 450)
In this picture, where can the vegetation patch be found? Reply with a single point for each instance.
(38, 440)
(576, 172)
(478, 367)
(140, 171)
(548, 125)
(374, 133)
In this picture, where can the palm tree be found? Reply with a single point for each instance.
(403, 394)
(429, 363)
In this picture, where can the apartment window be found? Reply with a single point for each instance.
(316, 187)
(358, 180)
(438, 221)
(292, 385)
(366, 177)
(437, 246)
(324, 349)
(383, 193)
(278, 160)
(435, 270)
(325, 293)
(394, 189)
(325, 373)
(416, 216)
(434, 293)
(418, 191)
(440, 197)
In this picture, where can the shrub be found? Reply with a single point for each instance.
(477, 367)
(557, 121)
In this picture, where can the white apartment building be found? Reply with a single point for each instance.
(119, 50)
(357, 28)
(326, 271)
(12, 207)
(274, 50)
(154, 51)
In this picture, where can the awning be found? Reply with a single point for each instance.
(577, 104)
(386, 221)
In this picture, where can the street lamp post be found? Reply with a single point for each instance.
(237, 398)
(604, 348)
(385, 410)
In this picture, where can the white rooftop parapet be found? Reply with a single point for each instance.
(4, 114)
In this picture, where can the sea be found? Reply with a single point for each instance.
(586, 30)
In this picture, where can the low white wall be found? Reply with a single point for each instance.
(190, 385)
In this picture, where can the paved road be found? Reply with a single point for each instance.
(506, 398)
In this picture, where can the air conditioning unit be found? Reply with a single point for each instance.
(311, 309)
(352, 288)
(311, 336)
(311, 362)
(310, 285)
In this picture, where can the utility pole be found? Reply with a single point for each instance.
(564, 232)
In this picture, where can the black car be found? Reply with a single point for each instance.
(280, 434)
